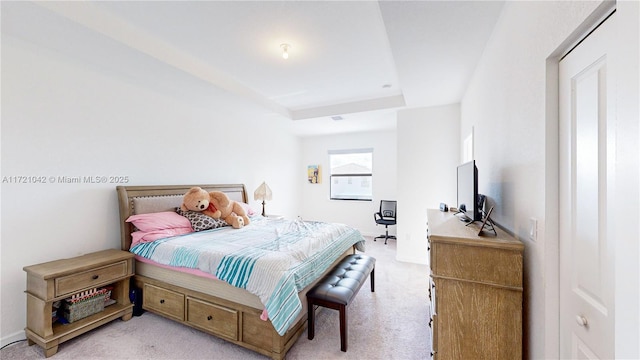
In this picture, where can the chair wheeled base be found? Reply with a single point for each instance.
(386, 237)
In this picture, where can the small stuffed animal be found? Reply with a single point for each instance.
(230, 211)
(198, 199)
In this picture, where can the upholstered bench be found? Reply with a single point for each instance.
(338, 288)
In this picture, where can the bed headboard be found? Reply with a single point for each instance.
(155, 198)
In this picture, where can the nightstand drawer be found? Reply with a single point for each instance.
(92, 278)
(167, 302)
(214, 318)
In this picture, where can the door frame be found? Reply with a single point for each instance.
(552, 175)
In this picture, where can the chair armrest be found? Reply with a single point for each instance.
(377, 216)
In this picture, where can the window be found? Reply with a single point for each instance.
(351, 174)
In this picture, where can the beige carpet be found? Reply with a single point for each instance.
(391, 323)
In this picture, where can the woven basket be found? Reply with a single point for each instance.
(86, 307)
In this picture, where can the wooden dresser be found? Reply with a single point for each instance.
(476, 291)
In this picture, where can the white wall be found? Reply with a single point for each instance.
(428, 153)
(70, 111)
(314, 200)
(415, 165)
(509, 103)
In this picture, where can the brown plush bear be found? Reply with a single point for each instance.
(215, 204)
(197, 199)
(230, 211)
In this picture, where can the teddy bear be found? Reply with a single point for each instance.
(215, 204)
(198, 199)
(230, 211)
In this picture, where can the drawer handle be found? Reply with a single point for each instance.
(95, 277)
(161, 301)
(209, 317)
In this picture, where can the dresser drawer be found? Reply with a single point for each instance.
(167, 302)
(476, 263)
(212, 318)
(88, 279)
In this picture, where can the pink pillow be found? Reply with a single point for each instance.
(159, 221)
(248, 209)
(149, 236)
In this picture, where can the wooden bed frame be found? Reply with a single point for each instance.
(210, 305)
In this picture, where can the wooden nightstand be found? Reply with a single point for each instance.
(58, 280)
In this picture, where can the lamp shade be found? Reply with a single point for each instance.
(263, 192)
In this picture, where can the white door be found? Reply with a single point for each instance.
(587, 115)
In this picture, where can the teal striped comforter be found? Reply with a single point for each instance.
(273, 259)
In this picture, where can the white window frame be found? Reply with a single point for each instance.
(334, 178)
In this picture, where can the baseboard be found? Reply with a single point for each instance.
(17, 336)
(415, 260)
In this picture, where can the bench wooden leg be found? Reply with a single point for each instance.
(311, 319)
(373, 275)
(343, 328)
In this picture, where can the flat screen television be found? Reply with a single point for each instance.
(468, 192)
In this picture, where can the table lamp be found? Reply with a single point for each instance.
(263, 192)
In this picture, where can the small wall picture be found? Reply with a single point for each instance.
(313, 174)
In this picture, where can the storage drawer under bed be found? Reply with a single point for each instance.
(166, 302)
(212, 318)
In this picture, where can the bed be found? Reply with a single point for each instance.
(266, 320)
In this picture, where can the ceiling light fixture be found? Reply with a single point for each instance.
(285, 50)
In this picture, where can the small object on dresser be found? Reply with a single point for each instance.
(487, 223)
(444, 207)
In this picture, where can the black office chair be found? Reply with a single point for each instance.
(386, 216)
